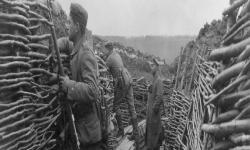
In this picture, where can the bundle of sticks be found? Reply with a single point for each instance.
(105, 102)
(230, 123)
(178, 107)
(140, 91)
(28, 106)
(140, 88)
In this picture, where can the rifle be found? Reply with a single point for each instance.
(61, 73)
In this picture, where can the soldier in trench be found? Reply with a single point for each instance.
(123, 90)
(82, 89)
(155, 100)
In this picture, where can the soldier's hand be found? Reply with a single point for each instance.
(55, 88)
(155, 109)
(150, 88)
(64, 82)
(52, 79)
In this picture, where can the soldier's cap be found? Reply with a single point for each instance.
(108, 45)
(158, 62)
(79, 14)
(155, 61)
(150, 63)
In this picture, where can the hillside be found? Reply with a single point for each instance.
(209, 37)
(134, 60)
(167, 47)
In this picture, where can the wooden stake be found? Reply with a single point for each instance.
(178, 69)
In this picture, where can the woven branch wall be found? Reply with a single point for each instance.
(28, 109)
(194, 137)
(229, 124)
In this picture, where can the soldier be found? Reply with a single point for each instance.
(82, 88)
(123, 90)
(153, 122)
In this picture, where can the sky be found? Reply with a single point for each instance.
(149, 17)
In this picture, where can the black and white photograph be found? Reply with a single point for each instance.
(124, 74)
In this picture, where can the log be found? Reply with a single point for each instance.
(245, 69)
(244, 112)
(13, 144)
(36, 20)
(25, 144)
(35, 55)
(12, 117)
(27, 106)
(232, 98)
(40, 71)
(224, 145)
(38, 62)
(245, 54)
(34, 28)
(13, 104)
(245, 86)
(15, 75)
(51, 147)
(14, 86)
(40, 47)
(15, 3)
(14, 58)
(227, 74)
(229, 51)
(227, 116)
(245, 9)
(243, 101)
(231, 18)
(14, 18)
(14, 64)
(13, 81)
(237, 25)
(15, 26)
(225, 129)
(34, 14)
(38, 38)
(240, 138)
(234, 84)
(17, 9)
(241, 148)
(11, 135)
(14, 37)
(37, 4)
(11, 44)
(227, 41)
(234, 6)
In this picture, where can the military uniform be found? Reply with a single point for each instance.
(153, 122)
(123, 90)
(82, 89)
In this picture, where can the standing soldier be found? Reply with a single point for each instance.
(82, 88)
(123, 90)
(153, 125)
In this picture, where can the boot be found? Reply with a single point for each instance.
(120, 125)
(135, 135)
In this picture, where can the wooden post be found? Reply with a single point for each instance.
(61, 73)
(231, 18)
(178, 69)
(193, 73)
(184, 71)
